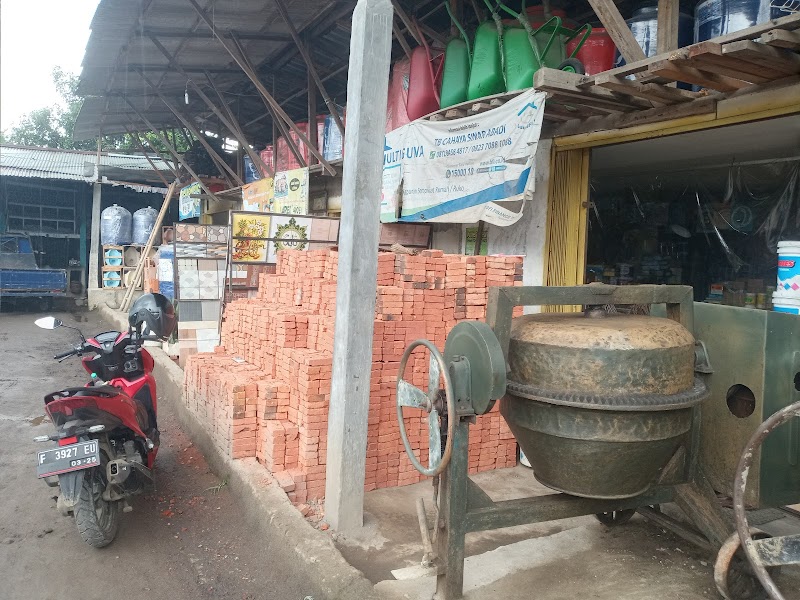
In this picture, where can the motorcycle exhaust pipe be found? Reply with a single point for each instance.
(118, 471)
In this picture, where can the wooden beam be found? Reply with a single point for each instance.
(166, 32)
(617, 28)
(253, 76)
(565, 84)
(671, 70)
(254, 156)
(332, 108)
(432, 33)
(137, 273)
(776, 59)
(398, 35)
(654, 115)
(230, 124)
(157, 171)
(298, 93)
(139, 142)
(400, 12)
(313, 132)
(788, 22)
(780, 38)
(668, 12)
(275, 117)
(647, 91)
(168, 146)
(708, 56)
(222, 166)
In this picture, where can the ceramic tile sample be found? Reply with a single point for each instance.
(210, 311)
(190, 311)
(187, 232)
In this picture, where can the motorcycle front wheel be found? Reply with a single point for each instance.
(97, 519)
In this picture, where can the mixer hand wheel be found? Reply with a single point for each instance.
(412, 397)
(769, 552)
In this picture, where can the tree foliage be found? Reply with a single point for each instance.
(52, 126)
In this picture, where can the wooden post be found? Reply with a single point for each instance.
(668, 12)
(617, 28)
(313, 134)
(367, 87)
(137, 273)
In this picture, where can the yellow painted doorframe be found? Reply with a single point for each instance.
(568, 191)
(567, 208)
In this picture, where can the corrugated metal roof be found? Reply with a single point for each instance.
(53, 163)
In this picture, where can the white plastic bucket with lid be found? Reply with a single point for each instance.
(788, 269)
(785, 305)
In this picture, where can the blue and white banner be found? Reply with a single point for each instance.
(464, 170)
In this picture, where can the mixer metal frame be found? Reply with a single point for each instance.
(463, 507)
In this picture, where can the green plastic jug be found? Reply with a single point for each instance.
(486, 74)
(457, 62)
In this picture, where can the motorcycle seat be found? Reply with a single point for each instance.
(102, 391)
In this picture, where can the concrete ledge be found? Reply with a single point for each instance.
(265, 506)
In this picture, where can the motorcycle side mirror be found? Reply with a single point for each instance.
(48, 323)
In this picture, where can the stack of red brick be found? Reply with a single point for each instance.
(266, 391)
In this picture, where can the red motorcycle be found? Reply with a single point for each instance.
(107, 431)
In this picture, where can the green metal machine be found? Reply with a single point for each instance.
(613, 411)
(755, 371)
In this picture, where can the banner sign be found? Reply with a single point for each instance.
(464, 170)
(189, 207)
(291, 192)
(257, 196)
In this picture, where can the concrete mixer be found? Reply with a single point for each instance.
(612, 409)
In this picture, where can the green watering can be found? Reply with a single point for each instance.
(457, 64)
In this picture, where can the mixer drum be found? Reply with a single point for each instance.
(599, 402)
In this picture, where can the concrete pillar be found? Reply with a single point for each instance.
(368, 81)
(94, 252)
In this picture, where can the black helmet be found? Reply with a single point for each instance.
(156, 313)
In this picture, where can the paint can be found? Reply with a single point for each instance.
(789, 269)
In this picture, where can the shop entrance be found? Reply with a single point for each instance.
(704, 209)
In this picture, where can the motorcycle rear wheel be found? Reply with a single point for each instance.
(97, 519)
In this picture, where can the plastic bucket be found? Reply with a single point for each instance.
(788, 270)
(785, 305)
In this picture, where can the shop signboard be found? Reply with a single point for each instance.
(189, 207)
(257, 196)
(464, 170)
(291, 192)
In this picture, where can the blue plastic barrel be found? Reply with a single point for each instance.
(713, 18)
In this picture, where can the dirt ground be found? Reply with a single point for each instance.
(184, 541)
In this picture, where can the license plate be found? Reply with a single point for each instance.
(64, 459)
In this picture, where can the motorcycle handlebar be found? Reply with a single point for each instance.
(65, 354)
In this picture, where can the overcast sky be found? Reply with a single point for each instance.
(35, 36)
